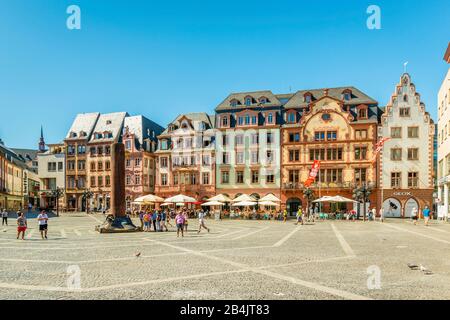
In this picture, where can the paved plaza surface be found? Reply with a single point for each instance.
(237, 260)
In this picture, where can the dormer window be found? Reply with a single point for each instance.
(307, 98)
(98, 136)
(73, 135)
(263, 100)
(248, 101)
(362, 113)
(234, 103)
(291, 117)
(270, 118)
(83, 134)
(108, 122)
(347, 95)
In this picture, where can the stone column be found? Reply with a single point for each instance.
(118, 180)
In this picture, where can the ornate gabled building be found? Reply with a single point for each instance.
(75, 145)
(247, 144)
(406, 161)
(140, 139)
(336, 126)
(106, 132)
(185, 157)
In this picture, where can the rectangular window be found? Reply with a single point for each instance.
(269, 138)
(225, 158)
(331, 135)
(319, 136)
(396, 180)
(92, 181)
(164, 162)
(405, 112)
(128, 144)
(294, 155)
(294, 137)
(82, 165)
(164, 179)
(413, 132)
(255, 138)
(254, 157)
(239, 157)
(60, 166)
(137, 162)
(205, 178)
(100, 166)
(270, 178)
(269, 155)
(225, 177)
(413, 179)
(413, 154)
(293, 176)
(396, 133)
(316, 154)
(360, 153)
(361, 134)
(108, 181)
(239, 140)
(100, 181)
(396, 154)
(240, 177)
(360, 175)
(334, 154)
(255, 176)
(175, 179)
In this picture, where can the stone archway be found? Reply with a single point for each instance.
(410, 205)
(292, 206)
(392, 208)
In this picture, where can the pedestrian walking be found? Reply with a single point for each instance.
(154, 216)
(426, 215)
(163, 221)
(141, 219)
(147, 220)
(180, 220)
(43, 224)
(21, 225)
(381, 214)
(186, 221)
(414, 216)
(374, 213)
(158, 221)
(299, 216)
(201, 221)
(4, 217)
(169, 217)
(285, 215)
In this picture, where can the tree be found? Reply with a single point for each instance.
(309, 195)
(361, 194)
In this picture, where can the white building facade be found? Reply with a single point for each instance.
(406, 163)
(444, 143)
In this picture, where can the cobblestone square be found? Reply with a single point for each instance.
(237, 260)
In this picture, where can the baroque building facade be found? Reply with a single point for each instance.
(247, 144)
(406, 160)
(337, 127)
(185, 157)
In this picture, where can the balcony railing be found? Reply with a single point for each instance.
(327, 185)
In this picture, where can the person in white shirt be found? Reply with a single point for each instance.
(43, 224)
(201, 221)
(414, 216)
(382, 214)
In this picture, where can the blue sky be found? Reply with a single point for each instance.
(163, 58)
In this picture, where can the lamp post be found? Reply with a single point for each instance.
(57, 193)
(87, 194)
(362, 193)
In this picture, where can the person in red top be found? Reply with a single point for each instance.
(21, 225)
(180, 220)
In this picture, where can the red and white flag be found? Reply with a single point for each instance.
(379, 147)
(313, 173)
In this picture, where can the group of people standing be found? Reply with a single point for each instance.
(160, 219)
(22, 223)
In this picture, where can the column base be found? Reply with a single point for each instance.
(117, 225)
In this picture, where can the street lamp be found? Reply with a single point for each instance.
(362, 193)
(87, 194)
(56, 194)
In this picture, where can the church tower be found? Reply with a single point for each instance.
(42, 141)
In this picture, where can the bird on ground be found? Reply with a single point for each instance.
(138, 255)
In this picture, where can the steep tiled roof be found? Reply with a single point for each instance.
(84, 122)
(194, 117)
(109, 122)
(273, 101)
(358, 97)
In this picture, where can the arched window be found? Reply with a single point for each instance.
(233, 103)
(291, 117)
(248, 101)
(270, 118)
(247, 119)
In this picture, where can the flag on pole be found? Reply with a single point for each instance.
(379, 147)
(313, 173)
